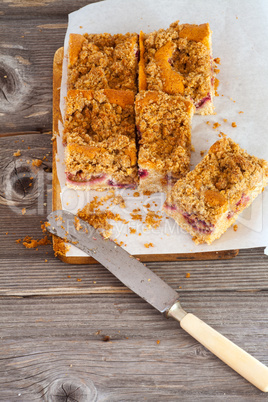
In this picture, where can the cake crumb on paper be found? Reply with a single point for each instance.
(148, 245)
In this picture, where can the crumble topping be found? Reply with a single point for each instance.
(221, 180)
(163, 122)
(100, 61)
(100, 135)
(98, 218)
(178, 60)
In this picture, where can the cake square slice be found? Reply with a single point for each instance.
(179, 60)
(209, 199)
(99, 133)
(103, 61)
(163, 125)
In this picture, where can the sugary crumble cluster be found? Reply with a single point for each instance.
(179, 60)
(100, 139)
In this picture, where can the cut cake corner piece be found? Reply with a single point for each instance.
(102, 61)
(99, 132)
(209, 199)
(163, 125)
(179, 60)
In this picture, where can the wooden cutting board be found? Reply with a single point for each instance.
(58, 244)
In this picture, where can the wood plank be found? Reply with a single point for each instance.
(26, 73)
(124, 349)
(49, 9)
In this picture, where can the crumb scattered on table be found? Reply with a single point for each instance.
(36, 162)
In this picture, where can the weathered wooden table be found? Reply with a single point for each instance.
(74, 329)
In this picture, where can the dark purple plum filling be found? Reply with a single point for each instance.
(172, 207)
(78, 178)
(243, 201)
(203, 101)
(171, 180)
(239, 205)
(138, 133)
(171, 61)
(121, 185)
(143, 173)
(197, 224)
(230, 214)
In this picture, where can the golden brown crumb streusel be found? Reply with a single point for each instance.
(102, 61)
(179, 60)
(164, 127)
(100, 135)
(219, 181)
(98, 218)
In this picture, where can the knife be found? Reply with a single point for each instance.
(141, 280)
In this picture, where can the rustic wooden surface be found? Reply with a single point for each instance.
(74, 329)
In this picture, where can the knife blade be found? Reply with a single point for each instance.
(145, 283)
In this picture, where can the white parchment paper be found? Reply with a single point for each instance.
(239, 32)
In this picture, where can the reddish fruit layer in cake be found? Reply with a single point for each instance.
(164, 137)
(209, 199)
(103, 61)
(179, 60)
(99, 131)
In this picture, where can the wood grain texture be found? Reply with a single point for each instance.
(125, 348)
(74, 328)
(26, 74)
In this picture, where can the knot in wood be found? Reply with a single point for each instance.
(20, 184)
(13, 89)
(71, 390)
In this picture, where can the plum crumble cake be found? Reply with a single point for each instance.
(179, 60)
(164, 135)
(99, 133)
(209, 199)
(103, 61)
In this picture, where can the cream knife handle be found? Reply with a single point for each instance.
(239, 360)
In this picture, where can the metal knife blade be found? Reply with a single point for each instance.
(151, 288)
(119, 262)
